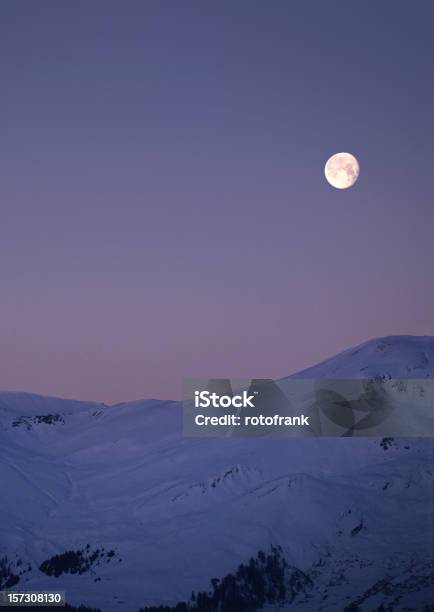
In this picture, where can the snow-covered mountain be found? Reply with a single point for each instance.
(391, 356)
(150, 516)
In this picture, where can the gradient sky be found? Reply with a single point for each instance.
(164, 212)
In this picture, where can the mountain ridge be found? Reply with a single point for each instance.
(121, 511)
(324, 368)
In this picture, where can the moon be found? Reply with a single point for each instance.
(342, 170)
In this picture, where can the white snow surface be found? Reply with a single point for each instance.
(179, 511)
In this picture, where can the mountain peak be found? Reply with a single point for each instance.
(392, 356)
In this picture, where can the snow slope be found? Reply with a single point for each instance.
(391, 356)
(171, 512)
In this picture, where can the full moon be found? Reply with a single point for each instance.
(342, 170)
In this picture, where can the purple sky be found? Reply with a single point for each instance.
(163, 208)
